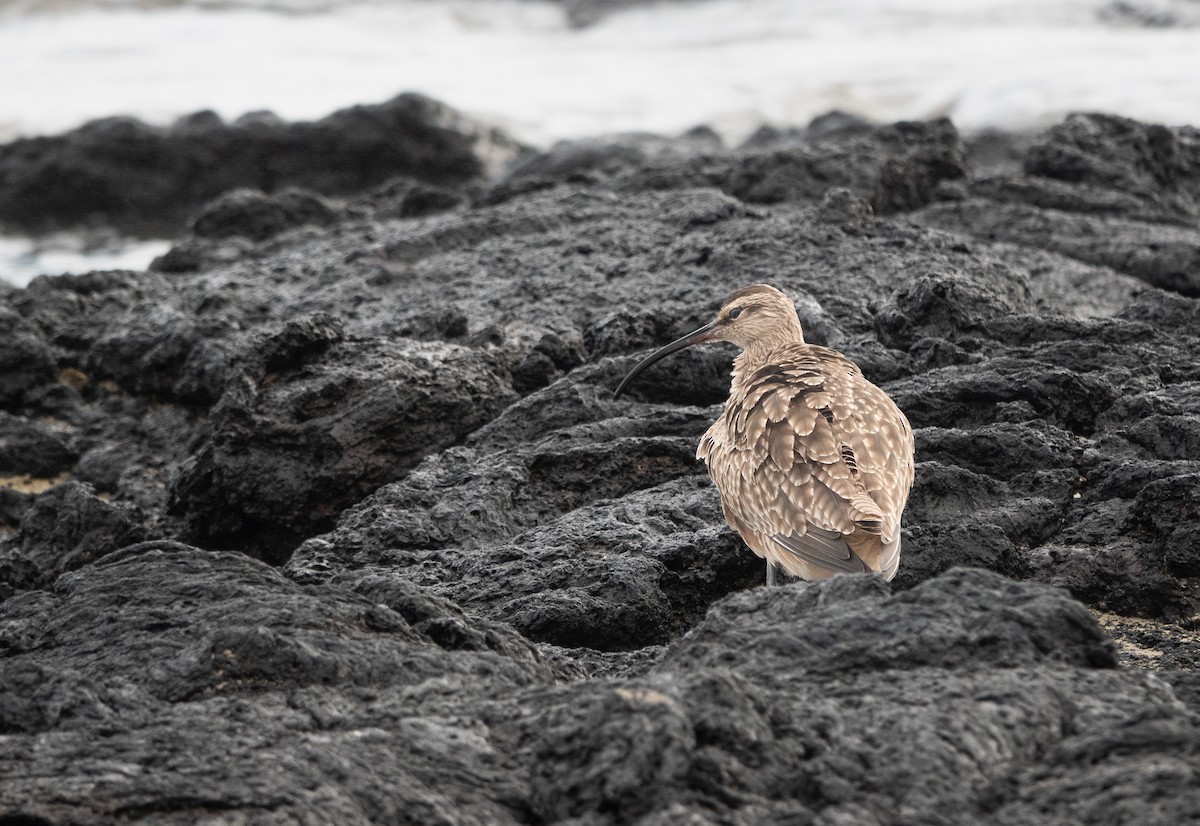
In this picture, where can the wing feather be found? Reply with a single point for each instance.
(814, 461)
(781, 440)
(817, 549)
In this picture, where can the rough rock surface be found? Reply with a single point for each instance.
(331, 517)
(969, 696)
(146, 179)
(315, 422)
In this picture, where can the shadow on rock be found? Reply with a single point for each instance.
(316, 421)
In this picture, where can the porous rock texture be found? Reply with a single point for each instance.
(330, 517)
(144, 179)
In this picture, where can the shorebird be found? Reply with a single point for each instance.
(813, 462)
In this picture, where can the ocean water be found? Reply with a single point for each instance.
(22, 259)
(520, 64)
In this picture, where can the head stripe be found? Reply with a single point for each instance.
(752, 290)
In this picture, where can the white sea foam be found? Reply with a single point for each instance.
(22, 259)
(730, 63)
(733, 64)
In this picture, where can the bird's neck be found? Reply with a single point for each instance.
(762, 352)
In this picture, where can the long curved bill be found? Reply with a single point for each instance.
(694, 337)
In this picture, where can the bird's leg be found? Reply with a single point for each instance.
(771, 581)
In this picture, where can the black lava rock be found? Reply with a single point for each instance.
(406, 560)
(141, 178)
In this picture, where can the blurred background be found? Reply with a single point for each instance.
(545, 71)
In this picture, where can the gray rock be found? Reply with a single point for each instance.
(125, 173)
(1163, 255)
(314, 422)
(26, 361)
(318, 702)
(895, 168)
(69, 526)
(35, 448)
(1154, 163)
(505, 598)
(258, 216)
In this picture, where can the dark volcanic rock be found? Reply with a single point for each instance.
(1168, 510)
(1165, 256)
(230, 621)
(895, 167)
(35, 448)
(121, 172)
(258, 216)
(215, 669)
(1155, 164)
(506, 598)
(248, 693)
(26, 361)
(597, 535)
(407, 198)
(317, 422)
(1100, 189)
(168, 354)
(69, 526)
(865, 656)
(589, 159)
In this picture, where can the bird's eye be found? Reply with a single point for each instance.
(734, 313)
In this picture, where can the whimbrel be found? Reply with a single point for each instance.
(813, 462)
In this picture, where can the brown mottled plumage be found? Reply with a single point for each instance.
(813, 462)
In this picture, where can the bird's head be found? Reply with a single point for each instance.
(754, 316)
